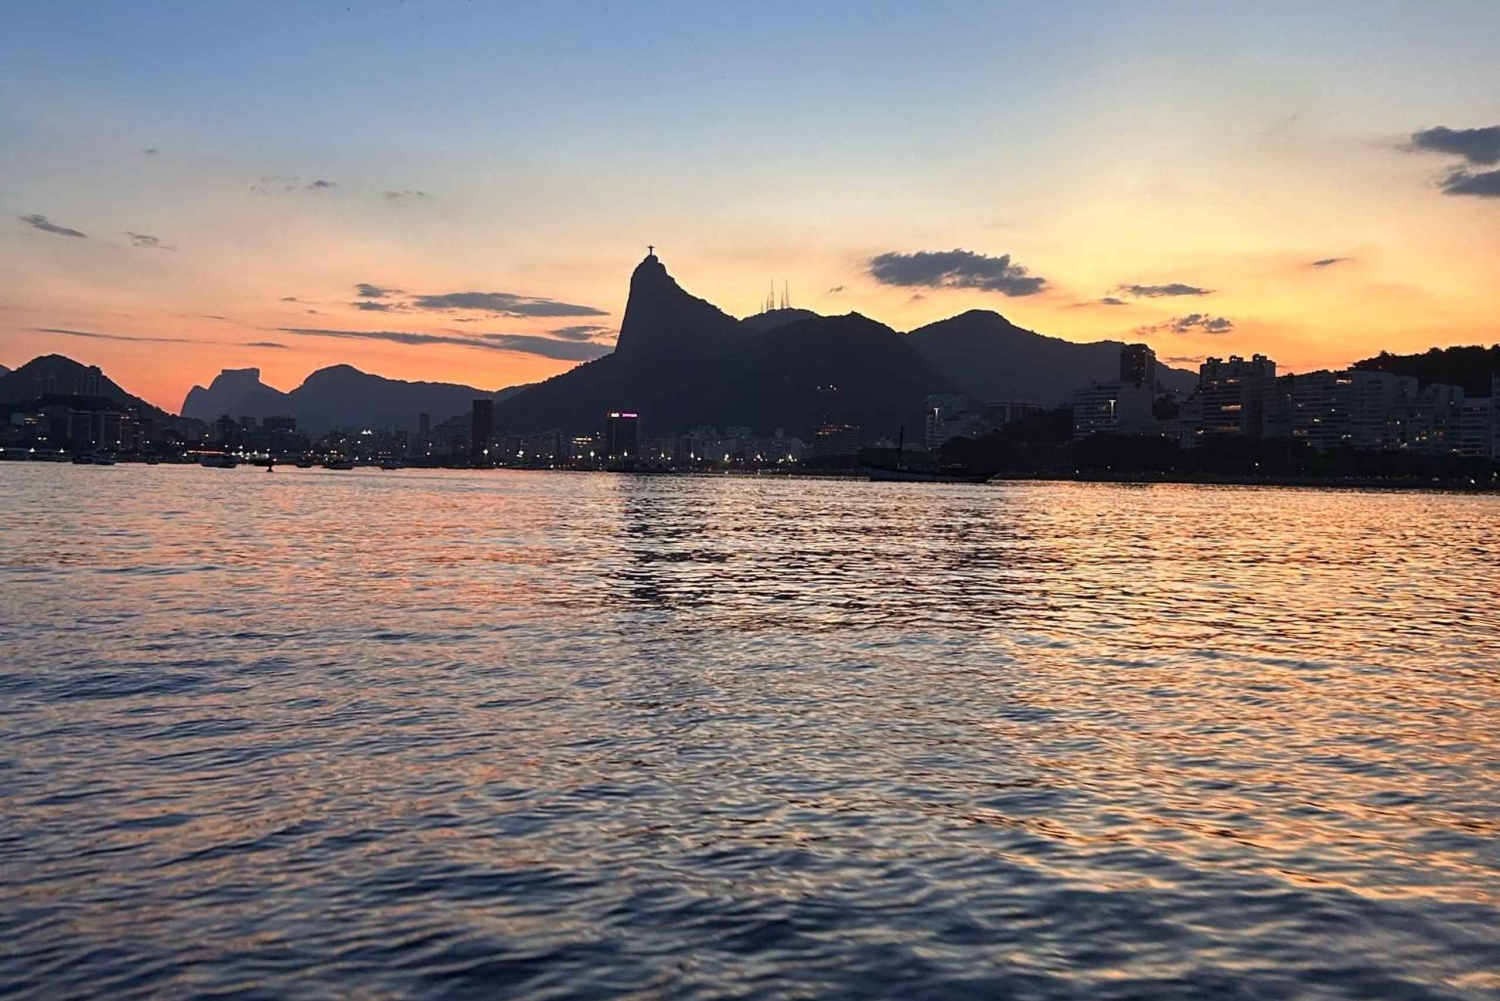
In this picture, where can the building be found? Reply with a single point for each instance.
(1236, 397)
(481, 430)
(1474, 435)
(835, 439)
(1138, 366)
(622, 435)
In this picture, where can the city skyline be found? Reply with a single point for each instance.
(294, 194)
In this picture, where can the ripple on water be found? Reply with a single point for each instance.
(558, 736)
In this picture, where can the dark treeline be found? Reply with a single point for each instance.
(1469, 367)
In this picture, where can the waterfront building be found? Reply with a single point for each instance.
(1138, 366)
(1236, 396)
(1476, 428)
(481, 429)
(622, 435)
(835, 440)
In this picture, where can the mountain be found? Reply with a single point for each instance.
(995, 360)
(681, 362)
(339, 396)
(1470, 366)
(59, 375)
(4, 371)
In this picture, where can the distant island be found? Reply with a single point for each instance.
(689, 387)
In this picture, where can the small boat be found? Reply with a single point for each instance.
(339, 464)
(885, 474)
(388, 466)
(104, 460)
(83, 460)
(305, 463)
(219, 461)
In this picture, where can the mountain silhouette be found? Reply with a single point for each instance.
(4, 371)
(681, 361)
(993, 359)
(338, 396)
(62, 376)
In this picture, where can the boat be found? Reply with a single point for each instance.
(885, 474)
(391, 466)
(83, 460)
(338, 464)
(219, 461)
(104, 460)
(305, 463)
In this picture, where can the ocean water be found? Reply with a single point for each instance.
(448, 735)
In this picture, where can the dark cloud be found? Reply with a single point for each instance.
(1477, 146)
(151, 151)
(1110, 300)
(44, 224)
(368, 291)
(403, 195)
(836, 290)
(525, 343)
(290, 298)
(504, 304)
(374, 307)
(1485, 184)
(1162, 291)
(1184, 359)
(582, 332)
(955, 269)
(322, 185)
(147, 242)
(266, 344)
(1329, 262)
(1201, 323)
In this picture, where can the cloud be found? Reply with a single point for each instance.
(504, 304)
(1329, 262)
(582, 332)
(94, 335)
(44, 224)
(525, 343)
(290, 298)
(146, 241)
(836, 290)
(1478, 146)
(322, 185)
(403, 195)
(955, 269)
(1162, 291)
(368, 291)
(1108, 300)
(1485, 184)
(374, 307)
(1184, 359)
(151, 151)
(1202, 323)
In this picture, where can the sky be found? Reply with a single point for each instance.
(459, 190)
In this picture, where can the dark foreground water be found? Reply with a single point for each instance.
(315, 734)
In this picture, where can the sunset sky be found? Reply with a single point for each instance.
(191, 186)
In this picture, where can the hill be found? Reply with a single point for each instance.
(680, 362)
(995, 360)
(57, 375)
(338, 396)
(1470, 366)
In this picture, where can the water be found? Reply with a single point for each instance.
(417, 734)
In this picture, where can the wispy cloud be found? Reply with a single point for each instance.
(1108, 300)
(368, 291)
(504, 304)
(95, 335)
(1162, 291)
(290, 298)
(836, 290)
(584, 332)
(147, 242)
(1329, 262)
(373, 307)
(955, 269)
(1201, 323)
(402, 195)
(1480, 147)
(46, 225)
(526, 343)
(322, 185)
(151, 151)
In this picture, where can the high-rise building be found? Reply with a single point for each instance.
(1236, 396)
(622, 435)
(1138, 365)
(836, 439)
(1476, 428)
(481, 430)
(424, 424)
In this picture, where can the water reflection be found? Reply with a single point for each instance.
(559, 735)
